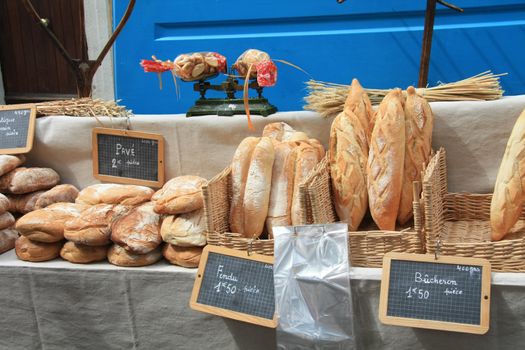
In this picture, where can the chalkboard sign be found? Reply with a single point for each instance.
(17, 128)
(233, 284)
(448, 293)
(126, 156)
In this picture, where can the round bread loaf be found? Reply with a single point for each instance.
(121, 257)
(182, 256)
(29, 250)
(83, 254)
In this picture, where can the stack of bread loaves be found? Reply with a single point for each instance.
(183, 228)
(266, 173)
(374, 158)
(32, 189)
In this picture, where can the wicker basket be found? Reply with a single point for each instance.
(367, 247)
(217, 198)
(461, 223)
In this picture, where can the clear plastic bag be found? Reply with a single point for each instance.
(199, 65)
(312, 287)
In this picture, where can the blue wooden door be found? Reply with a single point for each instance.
(378, 42)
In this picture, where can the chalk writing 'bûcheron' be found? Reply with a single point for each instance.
(426, 279)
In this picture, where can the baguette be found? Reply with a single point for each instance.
(240, 166)
(307, 159)
(347, 170)
(419, 123)
(509, 195)
(278, 131)
(257, 191)
(360, 106)
(386, 161)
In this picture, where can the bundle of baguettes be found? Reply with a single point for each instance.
(509, 191)
(266, 173)
(375, 157)
(183, 229)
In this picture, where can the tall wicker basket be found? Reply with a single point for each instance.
(461, 223)
(217, 198)
(367, 247)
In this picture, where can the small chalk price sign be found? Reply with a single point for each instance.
(447, 293)
(126, 156)
(17, 128)
(230, 283)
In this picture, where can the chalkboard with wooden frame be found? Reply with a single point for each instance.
(235, 284)
(448, 293)
(17, 128)
(130, 157)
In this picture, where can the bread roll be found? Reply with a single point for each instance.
(179, 195)
(281, 192)
(257, 191)
(47, 224)
(386, 161)
(419, 123)
(279, 131)
(4, 204)
(114, 194)
(58, 194)
(93, 227)
(139, 230)
(186, 230)
(509, 195)
(10, 162)
(347, 172)
(83, 254)
(29, 250)
(23, 203)
(182, 256)
(307, 159)
(8, 237)
(119, 256)
(6, 220)
(240, 166)
(25, 180)
(359, 104)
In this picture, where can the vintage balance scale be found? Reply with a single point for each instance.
(229, 105)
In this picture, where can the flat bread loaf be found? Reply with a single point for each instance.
(179, 195)
(4, 204)
(59, 194)
(182, 256)
(419, 123)
(25, 180)
(29, 250)
(83, 254)
(6, 220)
(114, 194)
(8, 237)
(9, 162)
(119, 256)
(185, 230)
(386, 161)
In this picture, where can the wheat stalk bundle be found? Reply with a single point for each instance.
(329, 98)
(82, 107)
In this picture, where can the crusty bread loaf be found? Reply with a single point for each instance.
(240, 166)
(185, 230)
(347, 172)
(119, 256)
(318, 147)
(279, 131)
(281, 193)
(93, 227)
(4, 204)
(6, 220)
(47, 224)
(419, 123)
(139, 230)
(182, 256)
(83, 254)
(386, 161)
(29, 250)
(23, 203)
(25, 180)
(359, 104)
(59, 194)
(509, 194)
(307, 159)
(180, 195)
(257, 191)
(8, 237)
(114, 194)
(298, 136)
(10, 162)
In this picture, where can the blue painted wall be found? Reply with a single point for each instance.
(379, 42)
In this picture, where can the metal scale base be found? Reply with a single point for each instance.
(230, 106)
